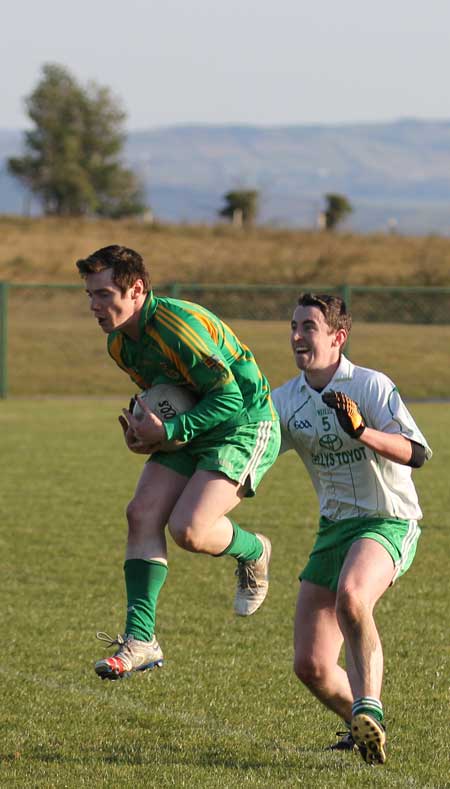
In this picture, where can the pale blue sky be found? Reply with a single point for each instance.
(266, 62)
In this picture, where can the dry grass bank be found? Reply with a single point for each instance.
(44, 250)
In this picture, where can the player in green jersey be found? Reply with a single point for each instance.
(232, 436)
(359, 443)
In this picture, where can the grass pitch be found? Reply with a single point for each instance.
(226, 710)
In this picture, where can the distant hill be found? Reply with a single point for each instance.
(390, 171)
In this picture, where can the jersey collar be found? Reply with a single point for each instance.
(343, 373)
(147, 312)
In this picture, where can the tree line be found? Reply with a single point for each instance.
(72, 160)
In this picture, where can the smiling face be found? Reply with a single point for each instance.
(112, 308)
(316, 347)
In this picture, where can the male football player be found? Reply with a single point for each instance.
(359, 443)
(232, 436)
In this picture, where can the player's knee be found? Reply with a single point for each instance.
(309, 670)
(136, 516)
(185, 535)
(350, 608)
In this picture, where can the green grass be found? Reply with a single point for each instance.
(226, 711)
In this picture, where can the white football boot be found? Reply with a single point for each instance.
(132, 655)
(253, 581)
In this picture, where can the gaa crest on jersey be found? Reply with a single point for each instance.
(331, 441)
(302, 424)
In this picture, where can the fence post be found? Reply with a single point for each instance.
(3, 340)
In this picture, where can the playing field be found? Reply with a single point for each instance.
(226, 710)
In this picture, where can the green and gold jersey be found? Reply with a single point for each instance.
(184, 344)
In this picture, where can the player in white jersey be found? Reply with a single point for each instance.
(359, 443)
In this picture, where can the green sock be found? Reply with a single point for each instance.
(143, 581)
(245, 546)
(369, 706)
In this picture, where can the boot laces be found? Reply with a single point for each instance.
(246, 576)
(119, 640)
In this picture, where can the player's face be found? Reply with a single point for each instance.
(314, 344)
(112, 308)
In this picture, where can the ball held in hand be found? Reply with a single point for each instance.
(167, 401)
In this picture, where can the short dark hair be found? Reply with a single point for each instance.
(332, 308)
(126, 264)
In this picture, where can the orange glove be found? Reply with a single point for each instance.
(349, 416)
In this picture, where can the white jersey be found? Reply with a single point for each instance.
(350, 480)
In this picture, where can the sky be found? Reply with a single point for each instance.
(262, 62)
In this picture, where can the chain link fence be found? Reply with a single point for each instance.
(275, 302)
(400, 305)
(245, 302)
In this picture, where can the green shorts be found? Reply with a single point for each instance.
(334, 539)
(243, 455)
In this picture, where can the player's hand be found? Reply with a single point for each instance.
(133, 442)
(347, 411)
(149, 428)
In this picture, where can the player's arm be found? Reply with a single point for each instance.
(201, 360)
(220, 400)
(393, 446)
